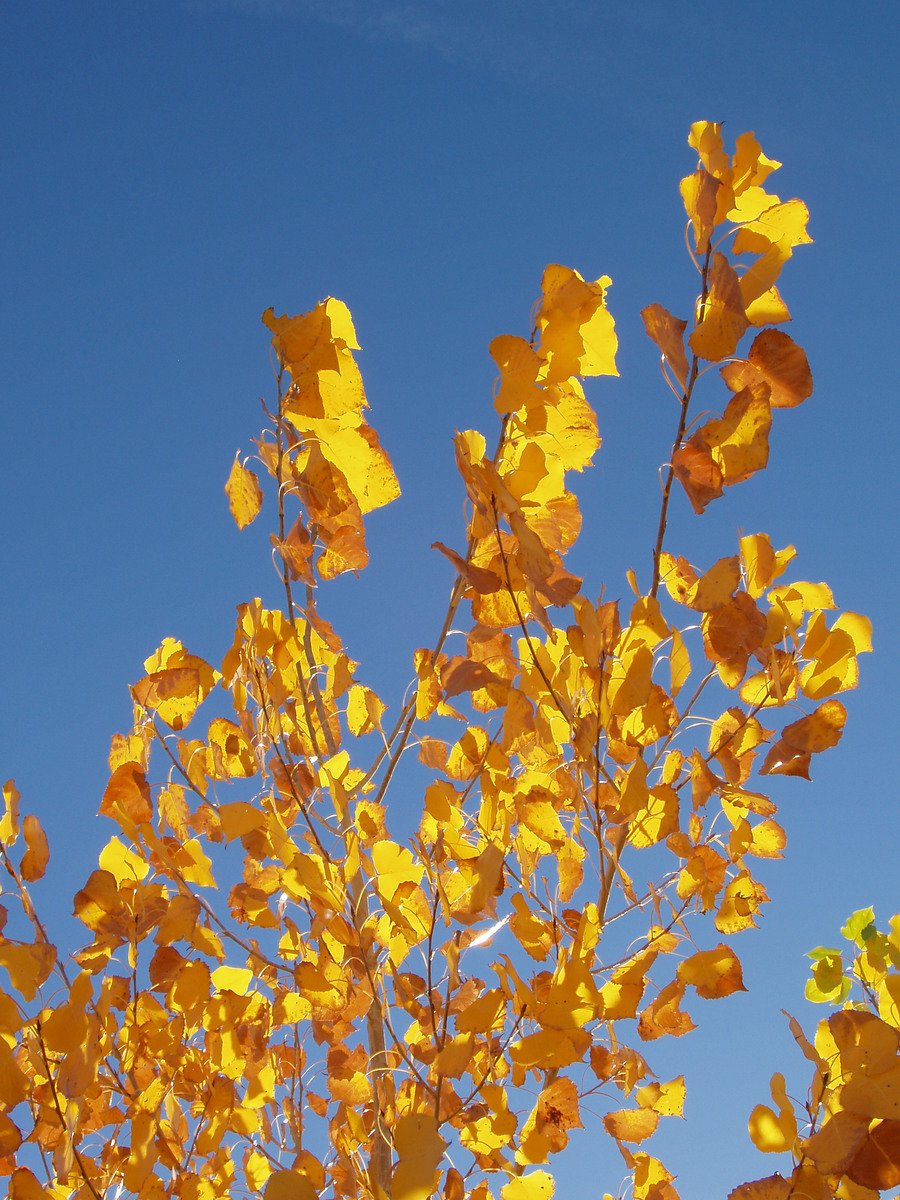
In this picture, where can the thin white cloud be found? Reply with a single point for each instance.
(478, 38)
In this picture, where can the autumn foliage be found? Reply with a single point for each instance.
(278, 998)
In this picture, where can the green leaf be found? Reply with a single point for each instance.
(860, 926)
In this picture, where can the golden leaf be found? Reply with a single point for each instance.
(667, 1099)
(714, 973)
(9, 822)
(244, 494)
(771, 1132)
(37, 855)
(723, 320)
(631, 1124)
(289, 1185)
(538, 1185)
(419, 1148)
(577, 330)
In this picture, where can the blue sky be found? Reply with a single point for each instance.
(174, 167)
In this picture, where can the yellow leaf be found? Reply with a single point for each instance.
(232, 979)
(244, 494)
(28, 966)
(419, 1148)
(723, 320)
(739, 440)
(121, 862)
(23, 1185)
(762, 565)
(714, 973)
(455, 1056)
(771, 1133)
(9, 822)
(667, 1099)
(577, 331)
(539, 1185)
(631, 1124)
(13, 1084)
(394, 866)
(699, 192)
(289, 1185)
(176, 684)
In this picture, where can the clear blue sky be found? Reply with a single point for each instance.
(171, 168)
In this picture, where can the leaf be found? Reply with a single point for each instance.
(28, 966)
(289, 1185)
(36, 857)
(577, 330)
(698, 473)
(714, 973)
(810, 735)
(394, 867)
(723, 320)
(23, 1185)
(776, 360)
(538, 1185)
(631, 1124)
(773, 1187)
(9, 822)
(668, 334)
(739, 440)
(176, 685)
(770, 1132)
(834, 1146)
(667, 1099)
(700, 195)
(121, 862)
(876, 1164)
(419, 1148)
(244, 493)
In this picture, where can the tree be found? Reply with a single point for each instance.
(589, 799)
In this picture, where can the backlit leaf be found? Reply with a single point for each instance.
(244, 494)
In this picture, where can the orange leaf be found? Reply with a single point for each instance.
(668, 333)
(776, 360)
(698, 474)
(631, 1124)
(876, 1164)
(714, 973)
(773, 1187)
(127, 793)
(36, 857)
(810, 735)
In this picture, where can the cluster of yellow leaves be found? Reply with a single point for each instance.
(849, 1148)
(324, 452)
(725, 195)
(352, 1018)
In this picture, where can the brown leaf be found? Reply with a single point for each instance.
(876, 1164)
(776, 360)
(698, 474)
(127, 792)
(482, 580)
(668, 333)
